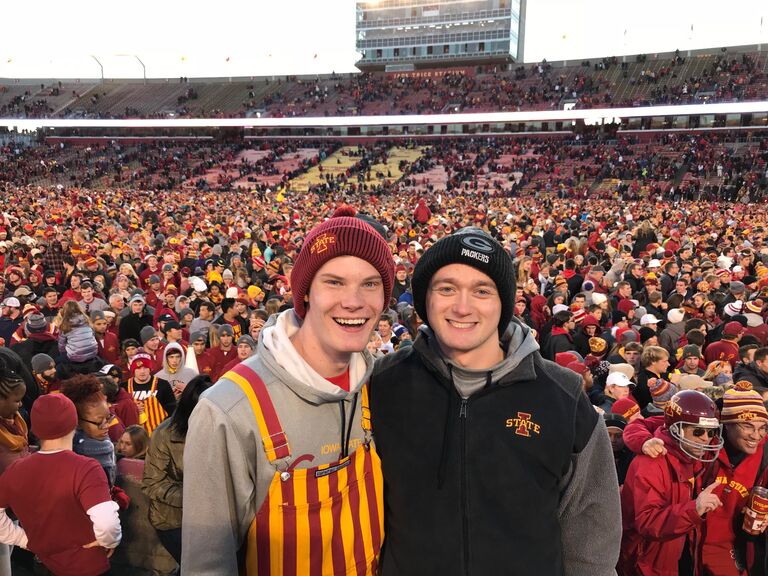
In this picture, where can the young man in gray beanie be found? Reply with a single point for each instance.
(494, 460)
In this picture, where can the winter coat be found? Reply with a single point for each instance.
(559, 341)
(79, 344)
(752, 374)
(719, 535)
(670, 337)
(514, 479)
(163, 477)
(658, 511)
(37, 344)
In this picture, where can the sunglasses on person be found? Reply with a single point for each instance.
(710, 432)
(104, 423)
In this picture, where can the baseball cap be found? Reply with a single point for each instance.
(733, 328)
(618, 378)
(648, 319)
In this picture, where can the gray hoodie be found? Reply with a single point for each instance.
(518, 341)
(181, 374)
(226, 472)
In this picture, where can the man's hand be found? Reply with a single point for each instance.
(654, 448)
(95, 544)
(707, 501)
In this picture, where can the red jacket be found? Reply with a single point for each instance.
(125, 408)
(726, 350)
(204, 363)
(422, 213)
(718, 535)
(109, 348)
(658, 511)
(760, 332)
(219, 360)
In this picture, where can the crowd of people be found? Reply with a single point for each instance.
(642, 311)
(641, 81)
(711, 167)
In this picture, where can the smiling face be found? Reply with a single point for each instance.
(746, 436)
(345, 300)
(464, 310)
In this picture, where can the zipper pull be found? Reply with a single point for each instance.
(463, 409)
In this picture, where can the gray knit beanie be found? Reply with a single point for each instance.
(41, 362)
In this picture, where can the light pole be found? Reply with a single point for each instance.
(143, 68)
(100, 66)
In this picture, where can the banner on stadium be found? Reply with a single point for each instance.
(432, 73)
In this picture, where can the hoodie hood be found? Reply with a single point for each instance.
(177, 305)
(170, 347)
(589, 320)
(276, 350)
(517, 342)
(182, 373)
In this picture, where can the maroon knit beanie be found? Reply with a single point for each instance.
(53, 416)
(341, 235)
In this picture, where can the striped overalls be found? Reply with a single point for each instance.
(154, 413)
(325, 520)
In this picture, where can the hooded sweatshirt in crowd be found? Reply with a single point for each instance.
(182, 373)
(226, 471)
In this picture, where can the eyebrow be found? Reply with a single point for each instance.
(480, 283)
(330, 276)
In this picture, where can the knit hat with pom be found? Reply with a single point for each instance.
(741, 404)
(661, 391)
(343, 234)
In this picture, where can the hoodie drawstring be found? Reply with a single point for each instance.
(344, 445)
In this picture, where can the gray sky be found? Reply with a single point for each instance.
(55, 39)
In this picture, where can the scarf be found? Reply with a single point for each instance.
(558, 330)
(103, 451)
(14, 435)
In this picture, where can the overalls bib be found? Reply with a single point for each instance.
(325, 520)
(154, 413)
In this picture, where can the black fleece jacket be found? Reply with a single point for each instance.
(518, 479)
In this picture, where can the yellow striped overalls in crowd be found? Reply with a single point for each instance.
(325, 520)
(154, 413)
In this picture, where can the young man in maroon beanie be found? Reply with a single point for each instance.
(71, 523)
(279, 468)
